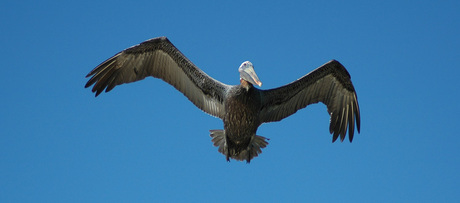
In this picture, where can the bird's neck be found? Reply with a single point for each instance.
(245, 84)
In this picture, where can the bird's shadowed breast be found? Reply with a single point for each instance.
(242, 113)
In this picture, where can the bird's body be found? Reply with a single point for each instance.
(243, 108)
(241, 118)
(241, 121)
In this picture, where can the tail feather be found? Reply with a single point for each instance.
(253, 149)
(218, 138)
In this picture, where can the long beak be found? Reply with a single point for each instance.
(250, 75)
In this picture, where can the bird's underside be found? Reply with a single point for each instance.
(243, 108)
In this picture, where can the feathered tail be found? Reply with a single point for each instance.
(253, 149)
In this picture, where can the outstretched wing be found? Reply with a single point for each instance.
(329, 84)
(159, 58)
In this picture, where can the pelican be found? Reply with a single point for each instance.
(244, 107)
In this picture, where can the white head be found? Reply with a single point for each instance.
(248, 74)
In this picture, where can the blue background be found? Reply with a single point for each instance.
(145, 142)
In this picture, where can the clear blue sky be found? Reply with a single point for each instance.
(145, 142)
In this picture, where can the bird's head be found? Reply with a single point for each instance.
(248, 74)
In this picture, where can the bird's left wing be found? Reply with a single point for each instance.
(159, 58)
(329, 84)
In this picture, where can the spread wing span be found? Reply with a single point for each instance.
(159, 58)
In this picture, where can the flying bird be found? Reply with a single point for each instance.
(244, 107)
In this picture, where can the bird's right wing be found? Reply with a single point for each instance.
(329, 84)
(159, 58)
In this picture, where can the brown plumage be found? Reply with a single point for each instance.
(243, 108)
